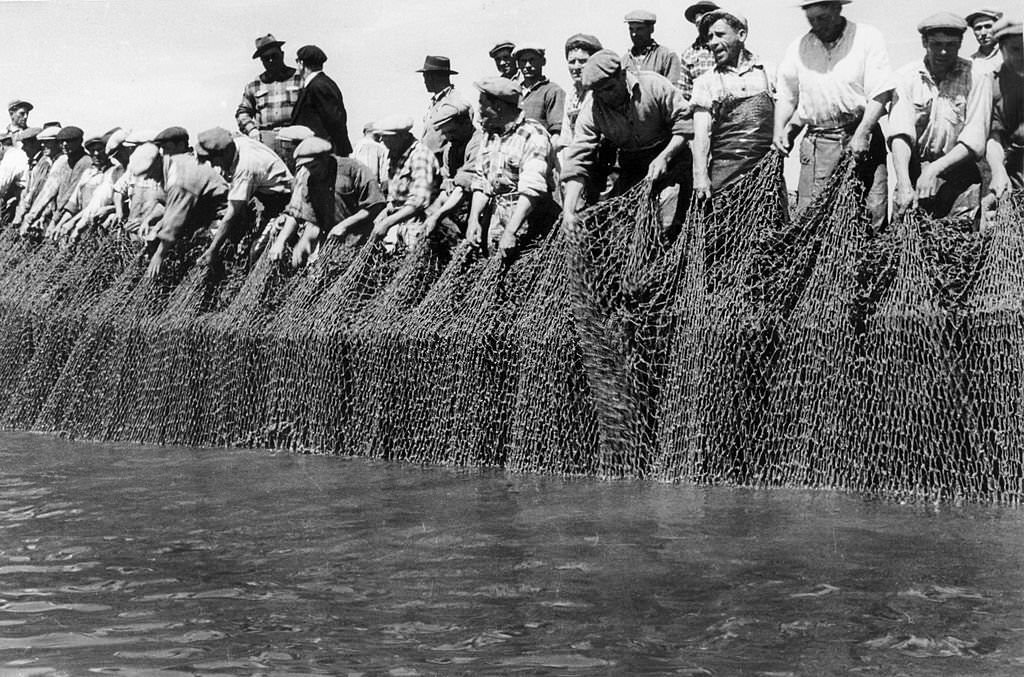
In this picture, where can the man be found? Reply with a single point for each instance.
(18, 110)
(733, 107)
(16, 168)
(253, 171)
(981, 22)
(541, 100)
(513, 174)
(267, 101)
(697, 59)
(938, 124)
(437, 79)
(64, 176)
(100, 208)
(40, 164)
(503, 59)
(414, 179)
(320, 106)
(172, 141)
(342, 201)
(90, 180)
(372, 153)
(836, 80)
(1005, 148)
(645, 54)
(578, 49)
(462, 144)
(641, 115)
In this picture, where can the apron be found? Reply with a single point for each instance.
(741, 135)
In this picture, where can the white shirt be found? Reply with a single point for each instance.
(830, 84)
(13, 169)
(257, 169)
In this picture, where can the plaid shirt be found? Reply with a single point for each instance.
(266, 105)
(519, 159)
(415, 179)
(695, 61)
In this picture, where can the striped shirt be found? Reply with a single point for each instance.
(694, 62)
(268, 104)
(519, 159)
(415, 178)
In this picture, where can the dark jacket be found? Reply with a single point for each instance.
(321, 108)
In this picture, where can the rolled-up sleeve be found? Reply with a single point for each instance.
(179, 204)
(975, 133)
(581, 155)
(903, 114)
(878, 74)
(787, 84)
(678, 111)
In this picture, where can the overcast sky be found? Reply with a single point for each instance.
(155, 63)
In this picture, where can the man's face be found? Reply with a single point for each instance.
(725, 42)
(98, 155)
(272, 59)
(942, 48)
(983, 31)
(435, 81)
(531, 65)
(173, 147)
(30, 146)
(640, 33)
(612, 91)
(455, 129)
(19, 116)
(505, 64)
(71, 146)
(51, 147)
(577, 58)
(825, 19)
(1013, 52)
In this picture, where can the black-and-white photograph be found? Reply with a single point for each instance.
(523, 337)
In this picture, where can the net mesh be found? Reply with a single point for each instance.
(751, 346)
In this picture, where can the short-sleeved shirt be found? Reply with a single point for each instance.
(694, 62)
(519, 159)
(747, 78)
(655, 112)
(342, 188)
(415, 178)
(655, 58)
(831, 85)
(257, 169)
(268, 103)
(934, 116)
(544, 102)
(195, 192)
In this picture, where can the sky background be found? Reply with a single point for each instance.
(155, 63)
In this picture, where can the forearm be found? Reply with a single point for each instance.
(873, 113)
(701, 146)
(901, 160)
(524, 207)
(450, 202)
(995, 155)
(571, 198)
(403, 214)
(784, 111)
(287, 232)
(958, 154)
(675, 145)
(354, 220)
(224, 227)
(478, 205)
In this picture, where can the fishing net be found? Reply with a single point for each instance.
(751, 347)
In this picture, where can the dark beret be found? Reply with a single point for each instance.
(70, 133)
(311, 54)
(172, 134)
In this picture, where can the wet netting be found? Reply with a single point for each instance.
(738, 345)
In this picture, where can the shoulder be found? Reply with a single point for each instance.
(866, 33)
(654, 82)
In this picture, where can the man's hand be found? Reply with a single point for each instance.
(928, 183)
(904, 198)
(380, 231)
(783, 141)
(570, 221)
(473, 232)
(658, 169)
(156, 262)
(303, 248)
(276, 250)
(338, 231)
(507, 245)
(254, 134)
(429, 224)
(860, 143)
(702, 187)
(209, 257)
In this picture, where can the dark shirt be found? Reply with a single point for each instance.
(339, 189)
(655, 58)
(322, 108)
(196, 193)
(545, 103)
(70, 181)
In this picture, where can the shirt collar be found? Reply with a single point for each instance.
(443, 93)
(287, 74)
(309, 77)
(543, 81)
(746, 62)
(958, 69)
(646, 50)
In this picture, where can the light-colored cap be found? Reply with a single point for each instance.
(295, 133)
(500, 88)
(116, 140)
(139, 136)
(393, 124)
(449, 111)
(943, 21)
(310, 149)
(48, 134)
(142, 159)
(641, 16)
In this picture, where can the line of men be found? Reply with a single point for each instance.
(692, 123)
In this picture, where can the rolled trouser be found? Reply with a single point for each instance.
(820, 151)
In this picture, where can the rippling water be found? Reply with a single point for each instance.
(118, 559)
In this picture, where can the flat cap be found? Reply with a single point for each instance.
(807, 3)
(528, 48)
(140, 136)
(171, 134)
(599, 67)
(702, 7)
(311, 54)
(295, 133)
(710, 18)
(95, 141)
(48, 134)
(142, 159)
(641, 16)
(214, 140)
(30, 133)
(977, 14)
(500, 88)
(942, 21)
(116, 140)
(310, 148)
(18, 103)
(393, 124)
(52, 123)
(6, 136)
(1005, 28)
(510, 46)
(70, 133)
(449, 111)
(265, 42)
(583, 41)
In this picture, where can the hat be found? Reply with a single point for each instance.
(943, 21)
(52, 123)
(140, 136)
(30, 133)
(807, 3)
(710, 18)
(393, 124)
(309, 149)
(500, 88)
(500, 46)
(584, 41)
(528, 48)
(95, 141)
(437, 64)
(70, 133)
(116, 140)
(993, 14)
(142, 159)
(171, 134)
(18, 103)
(1005, 28)
(449, 111)
(311, 54)
(214, 140)
(6, 136)
(599, 67)
(702, 7)
(48, 134)
(641, 16)
(264, 43)
(294, 133)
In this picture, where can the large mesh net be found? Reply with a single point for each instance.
(750, 347)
